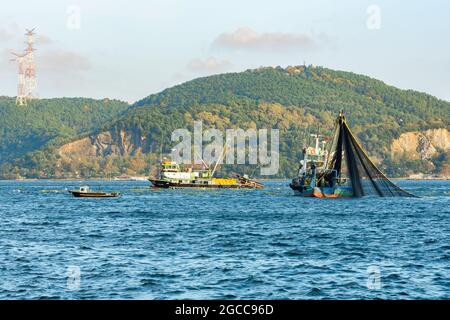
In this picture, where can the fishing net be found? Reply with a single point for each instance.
(350, 164)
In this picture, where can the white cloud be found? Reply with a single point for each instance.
(210, 65)
(62, 61)
(43, 40)
(246, 38)
(198, 67)
(5, 35)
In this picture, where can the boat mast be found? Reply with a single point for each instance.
(220, 159)
(201, 158)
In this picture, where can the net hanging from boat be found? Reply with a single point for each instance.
(350, 161)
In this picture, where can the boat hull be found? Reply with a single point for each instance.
(332, 192)
(303, 191)
(78, 194)
(163, 184)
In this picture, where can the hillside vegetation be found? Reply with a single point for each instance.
(47, 122)
(297, 100)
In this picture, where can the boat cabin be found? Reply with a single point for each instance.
(84, 189)
(169, 166)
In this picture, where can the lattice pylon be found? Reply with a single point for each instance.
(30, 70)
(21, 98)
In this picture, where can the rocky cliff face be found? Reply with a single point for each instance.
(421, 145)
(431, 148)
(109, 143)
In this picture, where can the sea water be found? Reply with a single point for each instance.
(221, 244)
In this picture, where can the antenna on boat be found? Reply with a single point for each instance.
(317, 138)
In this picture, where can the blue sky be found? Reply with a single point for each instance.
(130, 49)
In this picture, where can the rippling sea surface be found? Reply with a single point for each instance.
(221, 244)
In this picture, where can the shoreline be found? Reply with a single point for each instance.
(142, 179)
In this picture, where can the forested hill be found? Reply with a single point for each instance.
(297, 100)
(292, 98)
(315, 89)
(51, 121)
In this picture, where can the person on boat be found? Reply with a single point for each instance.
(328, 180)
(313, 169)
(302, 179)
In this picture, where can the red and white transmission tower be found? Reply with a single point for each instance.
(30, 71)
(26, 88)
(21, 97)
